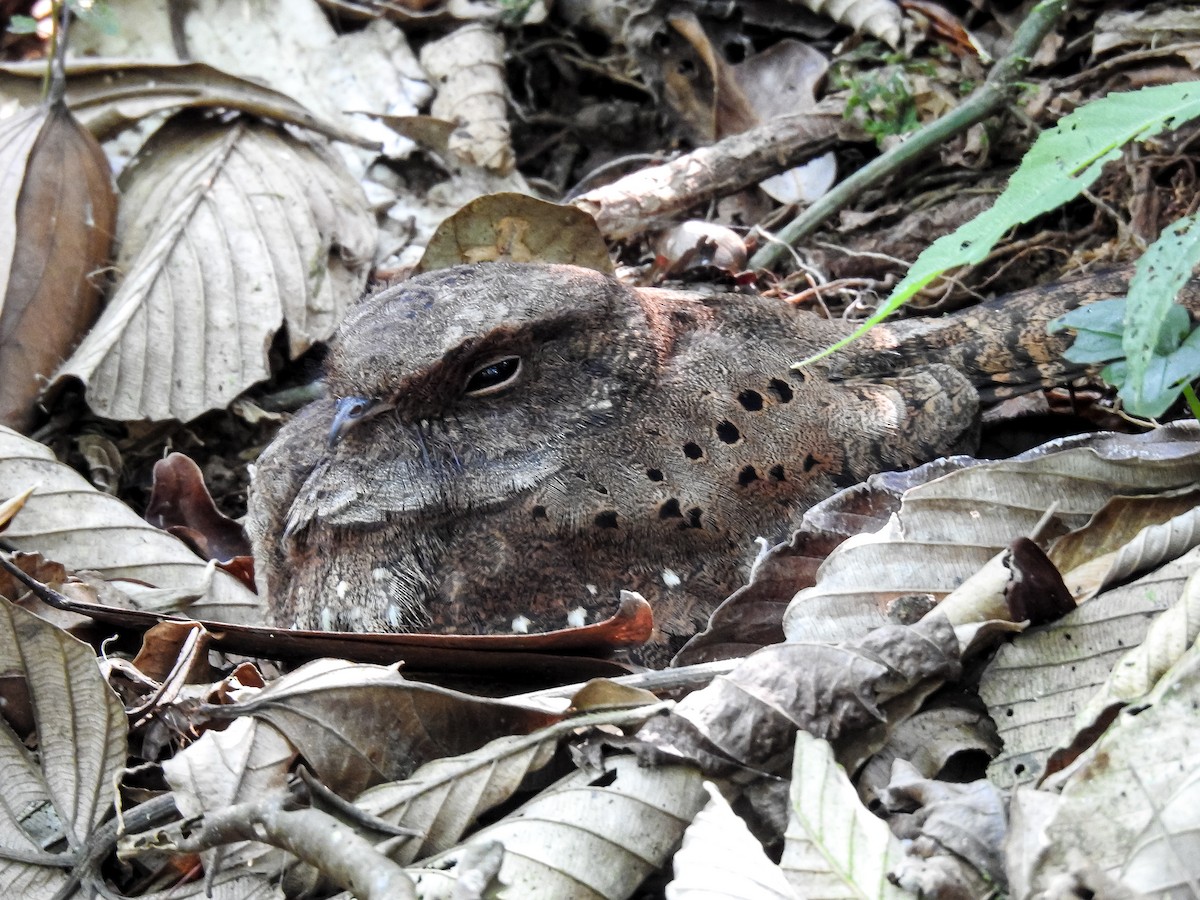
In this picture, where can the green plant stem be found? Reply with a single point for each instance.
(991, 97)
(1193, 402)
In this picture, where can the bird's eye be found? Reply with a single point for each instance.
(496, 376)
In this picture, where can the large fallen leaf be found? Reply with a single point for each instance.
(57, 217)
(56, 796)
(108, 95)
(1035, 686)
(948, 528)
(71, 522)
(351, 752)
(228, 233)
(290, 45)
(588, 836)
(1143, 775)
(833, 846)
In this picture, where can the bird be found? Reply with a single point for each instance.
(504, 447)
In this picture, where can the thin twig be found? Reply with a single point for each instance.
(986, 101)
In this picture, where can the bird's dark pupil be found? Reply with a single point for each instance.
(493, 374)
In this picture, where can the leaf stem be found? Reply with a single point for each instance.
(991, 96)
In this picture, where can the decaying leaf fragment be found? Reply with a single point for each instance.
(879, 18)
(57, 218)
(227, 234)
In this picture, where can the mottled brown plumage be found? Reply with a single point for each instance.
(643, 441)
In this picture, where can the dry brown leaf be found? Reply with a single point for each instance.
(467, 66)
(181, 505)
(517, 228)
(71, 522)
(56, 193)
(227, 235)
(108, 95)
(1130, 805)
(446, 796)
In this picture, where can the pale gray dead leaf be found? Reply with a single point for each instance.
(720, 858)
(586, 837)
(227, 234)
(1143, 775)
(1035, 686)
(834, 847)
(244, 762)
(289, 45)
(445, 796)
(56, 796)
(71, 522)
(108, 95)
(948, 528)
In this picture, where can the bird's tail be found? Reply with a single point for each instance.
(1003, 345)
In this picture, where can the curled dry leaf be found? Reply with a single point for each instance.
(57, 200)
(879, 18)
(227, 235)
(948, 528)
(108, 95)
(56, 797)
(71, 522)
(467, 66)
(180, 504)
(517, 228)
(748, 718)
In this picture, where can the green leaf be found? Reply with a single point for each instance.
(1151, 329)
(1063, 162)
(1163, 380)
(22, 25)
(1103, 317)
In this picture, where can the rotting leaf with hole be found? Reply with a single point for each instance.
(229, 233)
(68, 520)
(57, 199)
(517, 228)
(748, 717)
(56, 797)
